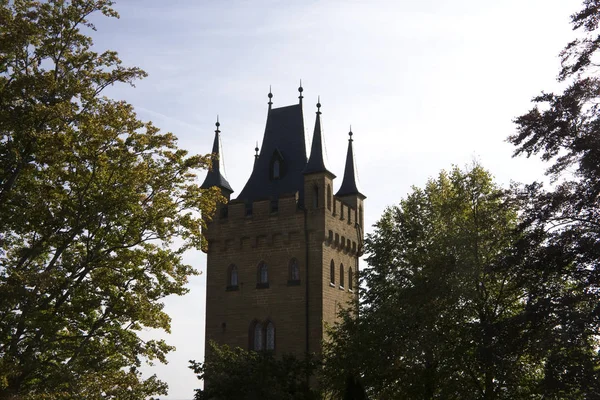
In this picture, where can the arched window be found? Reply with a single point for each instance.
(270, 336)
(258, 337)
(315, 197)
(232, 277)
(262, 280)
(294, 273)
(342, 276)
(332, 273)
(276, 169)
(329, 197)
(350, 279)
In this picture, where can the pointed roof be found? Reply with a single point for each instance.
(349, 186)
(214, 176)
(283, 141)
(316, 162)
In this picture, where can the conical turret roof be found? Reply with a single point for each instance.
(316, 162)
(214, 176)
(349, 185)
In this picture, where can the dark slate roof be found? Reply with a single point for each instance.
(316, 162)
(214, 177)
(349, 186)
(284, 140)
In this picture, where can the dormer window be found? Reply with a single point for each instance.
(277, 169)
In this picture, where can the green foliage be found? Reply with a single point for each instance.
(248, 375)
(440, 313)
(92, 202)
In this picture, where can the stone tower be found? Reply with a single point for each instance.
(283, 256)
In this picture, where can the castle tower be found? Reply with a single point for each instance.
(283, 256)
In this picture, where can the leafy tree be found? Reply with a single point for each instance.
(91, 202)
(248, 375)
(561, 246)
(441, 308)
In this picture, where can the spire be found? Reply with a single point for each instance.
(349, 186)
(214, 176)
(316, 162)
(270, 95)
(300, 90)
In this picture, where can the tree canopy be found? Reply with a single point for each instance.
(250, 375)
(438, 304)
(96, 209)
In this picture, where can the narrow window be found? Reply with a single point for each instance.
(316, 197)
(294, 275)
(350, 279)
(276, 169)
(329, 197)
(332, 273)
(341, 276)
(233, 276)
(258, 336)
(270, 336)
(349, 215)
(263, 275)
(360, 216)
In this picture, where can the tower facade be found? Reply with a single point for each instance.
(283, 256)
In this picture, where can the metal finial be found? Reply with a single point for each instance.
(217, 124)
(319, 105)
(270, 95)
(256, 148)
(300, 89)
(350, 133)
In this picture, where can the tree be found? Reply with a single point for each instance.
(92, 201)
(248, 375)
(441, 308)
(561, 242)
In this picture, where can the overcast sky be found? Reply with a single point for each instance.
(425, 85)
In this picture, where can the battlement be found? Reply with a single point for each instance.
(238, 210)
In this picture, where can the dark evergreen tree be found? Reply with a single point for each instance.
(560, 251)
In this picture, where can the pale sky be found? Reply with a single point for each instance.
(424, 84)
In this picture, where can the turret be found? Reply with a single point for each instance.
(318, 179)
(214, 176)
(349, 191)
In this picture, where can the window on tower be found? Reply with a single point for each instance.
(341, 276)
(263, 276)
(332, 273)
(261, 336)
(294, 273)
(270, 345)
(350, 279)
(258, 337)
(232, 277)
